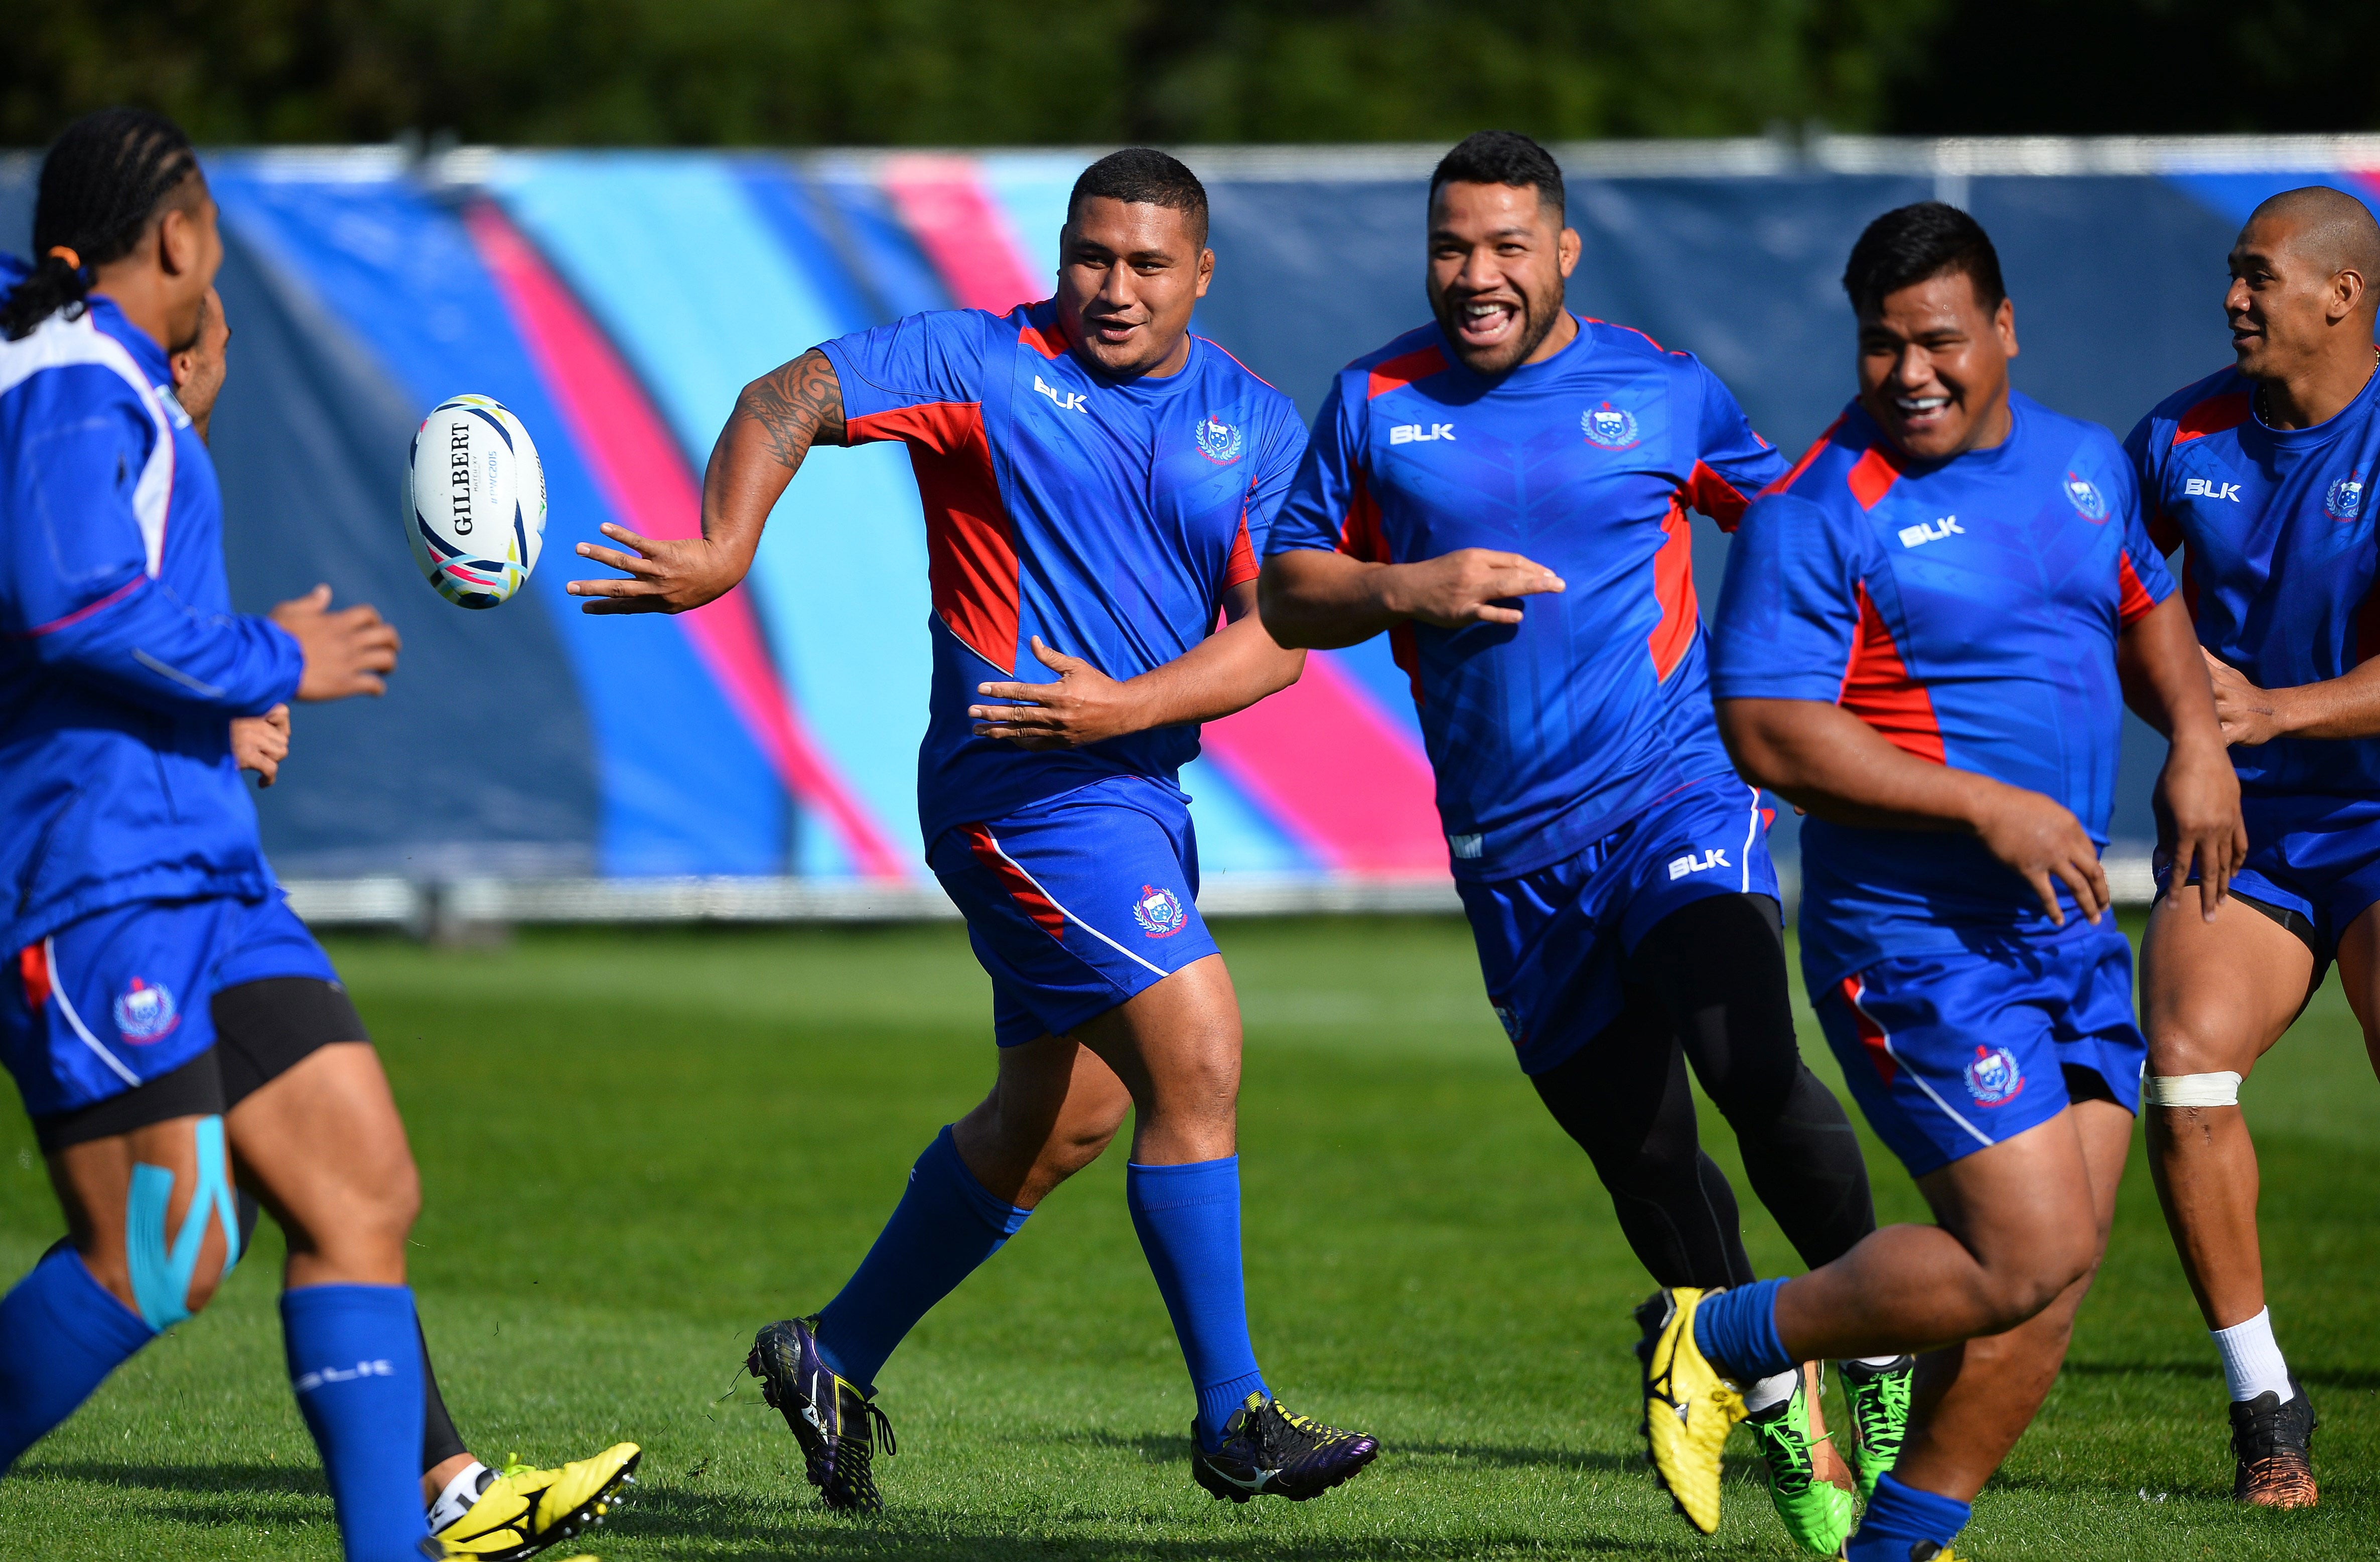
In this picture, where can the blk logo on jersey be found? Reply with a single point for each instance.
(2088, 501)
(1698, 862)
(1416, 433)
(1066, 401)
(1160, 912)
(1608, 427)
(1993, 1079)
(1931, 531)
(1219, 441)
(2206, 488)
(145, 1014)
(2344, 500)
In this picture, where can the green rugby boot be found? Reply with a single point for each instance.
(1879, 1405)
(1817, 1514)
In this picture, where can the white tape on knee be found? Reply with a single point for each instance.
(2192, 1090)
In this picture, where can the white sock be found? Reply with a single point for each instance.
(461, 1493)
(1876, 1363)
(1770, 1391)
(2251, 1361)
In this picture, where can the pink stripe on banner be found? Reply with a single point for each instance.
(640, 471)
(1323, 761)
(963, 232)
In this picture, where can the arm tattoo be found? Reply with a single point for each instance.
(798, 405)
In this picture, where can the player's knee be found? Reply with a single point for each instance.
(2043, 1270)
(172, 1270)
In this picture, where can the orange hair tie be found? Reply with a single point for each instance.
(73, 260)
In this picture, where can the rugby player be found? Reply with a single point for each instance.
(2263, 474)
(278, 1002)
(1927, 630)
(1504, 491)
(1096, 481)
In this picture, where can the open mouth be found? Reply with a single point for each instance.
(1921, 412)
(1487, 322)
(1107, 329)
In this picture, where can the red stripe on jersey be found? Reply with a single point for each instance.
(1879, 691)
(1050, 341)
(1242, 567)
(1817, 450)
(1403, 369)
(1590, 320)
(970, 547)
(2163, 529)
(2136, 600)
(1872, 476)
(1705, 490)
(1362, 536)
(33, 967)
(1871, 1034)
(1017, 882)
(2212, 417)
(1673, 587)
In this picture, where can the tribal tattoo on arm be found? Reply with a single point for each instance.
(798, 405)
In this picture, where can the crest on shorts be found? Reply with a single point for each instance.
(2088, 500)
(1160, 912)
(1608, 427)
(2344, 500)
(1511, 1019)
(146, 1011)
(1219, 441)
(1993, 1079)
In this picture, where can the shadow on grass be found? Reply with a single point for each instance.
(2346, 1380)
(273, 1480)
(1158, 1448)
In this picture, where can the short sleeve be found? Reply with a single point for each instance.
(896, 378)
(1789, 610)
(1327, 508)
(1283, 451)
(1732, 461)
(2143, 579)
(2143, 455)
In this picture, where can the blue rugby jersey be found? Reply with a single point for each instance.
(1108, 516)
(1547, 734)
(2276, 528)
(1968, 611)
(121, 662)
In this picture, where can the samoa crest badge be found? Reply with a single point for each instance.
(2089, 503)
(1608, 427)
(146, 1013)
(2344, 500)
(1160, 912)
(1219, 441)
(1994, 1079)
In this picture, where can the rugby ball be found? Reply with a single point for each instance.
(474, 500)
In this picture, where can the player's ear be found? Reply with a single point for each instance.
(1206, 271)
(1568, 249)
(2346, 292)
(2004, 325)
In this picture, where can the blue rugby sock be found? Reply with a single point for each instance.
(1736, 1331)
(1900, 1517)
(61, 1334)
(945, 1226)
(355, 1361)
(1188, 1217)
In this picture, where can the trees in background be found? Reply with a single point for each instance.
(986, 72)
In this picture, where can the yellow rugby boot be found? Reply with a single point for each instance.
(435, 1550)
(523, 1510)
(1689, 1409)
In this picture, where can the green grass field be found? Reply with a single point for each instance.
(639, 1146)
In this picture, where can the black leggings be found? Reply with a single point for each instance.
(1708, 985)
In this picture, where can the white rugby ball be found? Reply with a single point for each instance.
(474, 500)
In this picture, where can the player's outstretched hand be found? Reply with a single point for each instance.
(2247, 714)
(1469, 585)
(2198, 821)
(348, 652)
(260, 743)
(1084, 706)
(2045, 845)
(665, 573)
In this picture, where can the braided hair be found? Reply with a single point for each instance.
(102, 180)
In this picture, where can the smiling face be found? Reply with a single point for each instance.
(1933, 366)
(2286, 298)
(1498, 258)
(1129, 274)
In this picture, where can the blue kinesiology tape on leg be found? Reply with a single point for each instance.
(1188, 1217)
(945, 1226)
(1903, 1517)
(61, 1334)
(355, 1363)
(161, 1271)
(1736, 1331)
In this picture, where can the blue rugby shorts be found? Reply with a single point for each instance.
(2311, 853)
(1078, 902)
